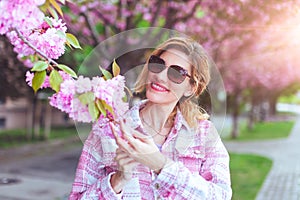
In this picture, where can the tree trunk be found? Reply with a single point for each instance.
(251, 117)
(37, 120)
(47, 122)
(30, 133)
(272, 105)
(235, 115)
(235, 127)
(30, 119)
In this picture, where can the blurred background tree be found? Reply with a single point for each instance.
(252, 42)
(12, 76)
(255, 44)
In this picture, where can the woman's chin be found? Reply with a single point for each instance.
(160, 98)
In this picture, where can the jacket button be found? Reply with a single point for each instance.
(156, 186)
(197, 151)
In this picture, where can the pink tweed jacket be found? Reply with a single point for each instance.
(201, 169)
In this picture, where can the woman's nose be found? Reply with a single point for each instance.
(163, 75)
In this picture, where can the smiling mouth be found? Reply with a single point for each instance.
(158, 87)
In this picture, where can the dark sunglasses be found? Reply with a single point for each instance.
(175, 73)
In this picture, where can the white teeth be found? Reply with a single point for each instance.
(157, 87)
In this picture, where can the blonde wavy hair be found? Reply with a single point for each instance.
(200, 77)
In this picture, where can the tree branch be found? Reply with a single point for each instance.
(42, 54)
(185, 18)
(92, 28)
(172, 12)
(106, 22)
(158, 8)
(129, 19)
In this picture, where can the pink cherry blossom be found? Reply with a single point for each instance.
(111, 91)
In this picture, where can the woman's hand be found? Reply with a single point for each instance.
(126, 164)
(140, 147)
(126, 167)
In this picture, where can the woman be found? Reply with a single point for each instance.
(165, 148)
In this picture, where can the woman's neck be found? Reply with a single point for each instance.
(156, 115)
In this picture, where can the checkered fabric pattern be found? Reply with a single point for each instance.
(200, 170)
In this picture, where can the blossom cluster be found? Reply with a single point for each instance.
(111, 91)
(32, 33)
(29, 76)
(45, 33)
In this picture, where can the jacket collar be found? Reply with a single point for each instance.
(181, 131)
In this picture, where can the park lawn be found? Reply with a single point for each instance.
(17, 137)
(266, 130)
(248, 173)
(292, 99)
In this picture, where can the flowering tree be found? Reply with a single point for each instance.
(263, 68)
(228, 29)
(39, 40)
(12, 71)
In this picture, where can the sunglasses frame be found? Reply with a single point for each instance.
(183, 72)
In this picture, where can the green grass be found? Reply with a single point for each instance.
(293, 99)
(247, 175)
(266, 130)
(17, 137)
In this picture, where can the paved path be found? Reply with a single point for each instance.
(44, 171)
(283, 181)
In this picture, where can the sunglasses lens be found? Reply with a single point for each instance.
(176, 74)
(156, 64)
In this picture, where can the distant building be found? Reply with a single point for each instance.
(17, 114)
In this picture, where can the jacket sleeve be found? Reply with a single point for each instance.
(92, 179)
(212, 182)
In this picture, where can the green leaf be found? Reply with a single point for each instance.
(55, 80)
(143, 23)
(39, 66)
(48, 21)
(101, 107)
(108, 107)
(67, 69)
(100, 28)
(45, 6)
(125, 99)
(161, 21)
(38, 80)
(32, 58)
(93, 110)
(107, 75)
(199, 13)
(86, 98)
(73, 40)
(61, 34)
(57, 7)
(53, 12)
(115, 68)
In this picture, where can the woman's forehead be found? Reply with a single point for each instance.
(174, 56)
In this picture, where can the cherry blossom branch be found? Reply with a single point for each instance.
(106, 21)
(188, 16)
(91, 27)
(156, 13)
(21, 36)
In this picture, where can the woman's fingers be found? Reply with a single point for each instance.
(141, 137)
(112, 126)
(124, 127)
(123, 144)
(126, 145)
(131, 135)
